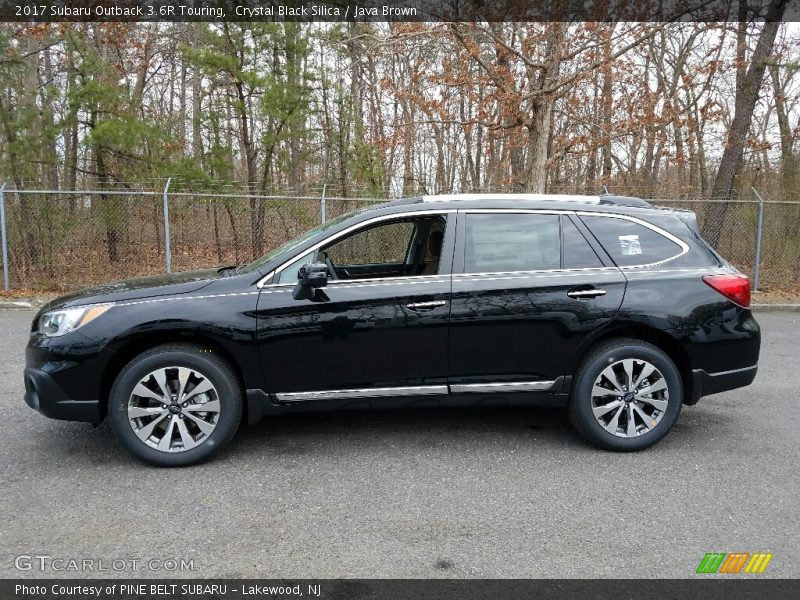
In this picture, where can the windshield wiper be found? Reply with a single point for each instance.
(230, 270)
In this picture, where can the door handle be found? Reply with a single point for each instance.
(426, 305)
(587, 294)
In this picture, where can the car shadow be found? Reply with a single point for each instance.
(415, 426)
(419, 428)
(62, 442)
(301, 434)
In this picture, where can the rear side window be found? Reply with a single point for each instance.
(511, 242)
(578, 254)
(630, 243)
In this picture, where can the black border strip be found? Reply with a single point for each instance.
(707, 587)
(396, 10)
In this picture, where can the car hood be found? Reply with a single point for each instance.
(139, 287)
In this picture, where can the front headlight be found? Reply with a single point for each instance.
(59, 322)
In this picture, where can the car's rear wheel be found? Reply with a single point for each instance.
(175, 405)
(626, 395)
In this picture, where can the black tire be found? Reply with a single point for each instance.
(599, 358)
(218, 372)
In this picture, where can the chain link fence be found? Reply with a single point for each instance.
(733, 227)
(62, 240)
(58, 241)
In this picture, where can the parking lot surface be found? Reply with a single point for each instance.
(425, 493)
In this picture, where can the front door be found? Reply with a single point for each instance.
(528, 288)
(379, 328)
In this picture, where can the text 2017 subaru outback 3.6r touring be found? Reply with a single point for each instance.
(608, 306)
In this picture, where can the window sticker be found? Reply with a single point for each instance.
(629, 245)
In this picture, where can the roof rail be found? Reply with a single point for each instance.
(581, 199)
(522, 197)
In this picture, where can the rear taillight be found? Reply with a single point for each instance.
(733, 287)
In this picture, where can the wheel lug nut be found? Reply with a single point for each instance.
(164, 406)
(185, 404)
(180, 415)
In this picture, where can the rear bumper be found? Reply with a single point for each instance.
(42, 393)
(704, 383)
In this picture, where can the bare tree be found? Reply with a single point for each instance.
(746, 97)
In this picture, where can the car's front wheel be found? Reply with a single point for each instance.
(626, 395)
(175, 405)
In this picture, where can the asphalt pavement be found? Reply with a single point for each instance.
(495, 493)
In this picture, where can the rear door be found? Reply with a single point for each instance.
(528, 287)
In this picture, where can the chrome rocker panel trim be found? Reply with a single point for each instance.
(514, 386)
(414, 390)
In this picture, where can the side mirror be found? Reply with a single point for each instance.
(310, 277)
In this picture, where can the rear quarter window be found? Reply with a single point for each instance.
(630, 243)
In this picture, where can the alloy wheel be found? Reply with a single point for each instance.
(174, 409)
(629, 398)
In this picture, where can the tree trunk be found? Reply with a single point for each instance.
(788, 165)
(743, 114)
(197, 123)
(608, 101)
(249, 152)
(537, 159)
(71, 135)
(542, 121)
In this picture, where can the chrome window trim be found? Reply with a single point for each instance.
(535, 273)
(512, 386)
(262, 282)
(420, 279)
(699, 270)
(410, 390)
(404, 280)
(684, 247)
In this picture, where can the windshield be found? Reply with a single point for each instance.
(298, 241)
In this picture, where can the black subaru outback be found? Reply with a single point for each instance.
(610, 307)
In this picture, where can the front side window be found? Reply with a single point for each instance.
(261, 262)
(289, 273)
(409, 246)
(497, 243)
(630, 243)
(382, 244)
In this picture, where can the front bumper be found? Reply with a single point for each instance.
(704, 383)
(42, 393)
